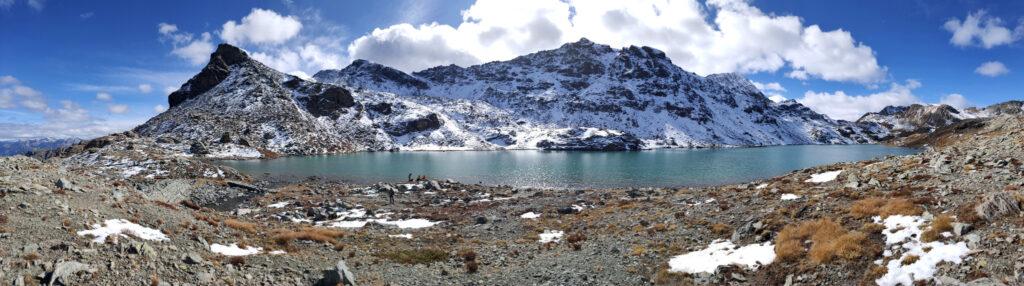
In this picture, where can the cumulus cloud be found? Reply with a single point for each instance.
(13, 94)
(840, 105)
(980, 29)
(196, 50)
(281, 42)
(992, 69)
(773, 90)
(103, 96)
(955, 100)
(169, 89)
(117, 108)
(159, 108)
(145, 88)
(261, 27)
(67, 119)
(722, 36)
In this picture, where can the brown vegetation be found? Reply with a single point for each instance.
(241, 225)
(940, 224)
(284, 237)
(876, 206)
(829, 240)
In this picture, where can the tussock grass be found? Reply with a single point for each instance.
(876, 206)
(242, 226)
(284, 237)
(940, 224)
(828, 241)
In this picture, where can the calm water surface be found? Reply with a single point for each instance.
(561, 169)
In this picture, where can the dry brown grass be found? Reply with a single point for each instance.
(876, 206)
(284, 237)
(721, 229)
(910, 259)
(829, 241)
(940, 224)
(31, 256)
(246, 227)
(3, 219)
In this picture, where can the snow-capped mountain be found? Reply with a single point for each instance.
(582, 96)
(917, 118)
(23, 146)
(634, 93)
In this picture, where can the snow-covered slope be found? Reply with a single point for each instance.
(582, 93)
(917, 118)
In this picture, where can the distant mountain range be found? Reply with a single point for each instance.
(917, 118)
(581, 96)
(23, 146)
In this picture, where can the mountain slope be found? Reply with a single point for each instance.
(22, 146)
(635, 92)
(917, 118)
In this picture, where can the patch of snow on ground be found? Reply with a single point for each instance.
(723, 252)
(761, 186)
(234, 250)
(404, 235)
(408, 223)
(824, 177)
(551, 236)
(789, 197)
(530, 215)
(278, 205)
(903, 236)
(278, 252)
(122, 228)
(348, 223)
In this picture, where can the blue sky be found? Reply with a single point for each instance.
(77, 68)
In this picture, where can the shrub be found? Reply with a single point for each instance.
(416, 256)
(721, 229)
(910, 259)
(875, 206)
(284, 237)
(829, 240)
(236, 260)
(472, 266)
(940, 224)
(240, 225)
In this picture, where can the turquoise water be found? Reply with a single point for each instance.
(567, 169)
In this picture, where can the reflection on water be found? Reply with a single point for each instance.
(558, 169)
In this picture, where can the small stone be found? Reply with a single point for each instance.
(738, 277)
(194, 258)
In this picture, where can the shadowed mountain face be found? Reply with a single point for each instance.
(581, 96)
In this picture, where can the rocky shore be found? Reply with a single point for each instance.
(133, 210)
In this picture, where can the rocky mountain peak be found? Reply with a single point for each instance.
(212, 74)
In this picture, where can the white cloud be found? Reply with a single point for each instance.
(159, 108)
(86, 15)
(195, 50)
(6, 4)
(167, 29)
(270, 38)
(117, 108)
(955, 100)
(169, 89)
(37, 4)
(738, 38)
(980, 29)
(839, 105)
(145, 88)
(261, 27)
(103, 96)
(14, 94)
(8, 80)
(992, 69)
(773, 90)
(68, 119)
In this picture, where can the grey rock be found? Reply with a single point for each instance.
(340, 275)
(997, 204)
(194, 258)
(64, 269)
(959, 228)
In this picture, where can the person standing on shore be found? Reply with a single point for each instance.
(391, 195)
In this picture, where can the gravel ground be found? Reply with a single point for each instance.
(475, 235)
